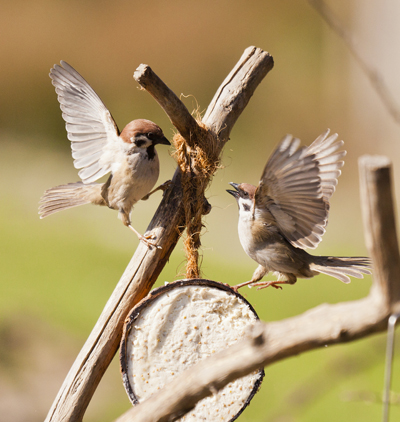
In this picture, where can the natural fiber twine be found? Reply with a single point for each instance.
(198, 166)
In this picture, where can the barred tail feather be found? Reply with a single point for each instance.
(62, 197)
(342, 268)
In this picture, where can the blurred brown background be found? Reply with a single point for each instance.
(58, 273)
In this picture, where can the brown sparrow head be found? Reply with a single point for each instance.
(288, 212)
(98, 148)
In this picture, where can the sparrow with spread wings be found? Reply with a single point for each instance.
(288, 212)
(99, 148)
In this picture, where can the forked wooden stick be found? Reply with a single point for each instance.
(167, 224)
(321, 326)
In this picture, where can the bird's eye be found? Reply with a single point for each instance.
(246, 194)
(150, 135)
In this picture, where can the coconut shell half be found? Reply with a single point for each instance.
(176, 326)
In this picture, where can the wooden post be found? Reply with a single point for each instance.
(380, 224)
(167, 224)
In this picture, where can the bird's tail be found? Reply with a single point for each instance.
(67, 196)
(342, 268)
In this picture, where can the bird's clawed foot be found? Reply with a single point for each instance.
(260, 285)
(165, 185)
(162, 187)
(145, 238)
(264, 284)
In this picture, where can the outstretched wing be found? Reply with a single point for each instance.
(296, 185)
(91, 129)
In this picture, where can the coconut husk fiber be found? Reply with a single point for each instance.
(198, 164)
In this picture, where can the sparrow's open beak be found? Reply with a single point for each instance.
(234, 192)
(163, 141)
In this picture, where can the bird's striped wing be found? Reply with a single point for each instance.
(91, 129)
(296, 185)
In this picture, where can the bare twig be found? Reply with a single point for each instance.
(170, 103)
(371, 72)
(167, 224)
(319, 327)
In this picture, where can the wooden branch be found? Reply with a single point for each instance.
(167, 224)
(169, 102)
(321, 326)
(232, 98)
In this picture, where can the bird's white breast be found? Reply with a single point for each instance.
(244, 230)
(144, 172)
(133, 179)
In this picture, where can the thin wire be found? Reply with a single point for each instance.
(389, 361)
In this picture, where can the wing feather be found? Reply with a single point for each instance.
(91, 149)
(93, 133)
(296, 185)
(82, 138)
(88, 160)
(93, 172)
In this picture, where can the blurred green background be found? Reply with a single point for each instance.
(58, 273)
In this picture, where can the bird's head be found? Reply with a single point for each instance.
(244, 194)
(143, 133)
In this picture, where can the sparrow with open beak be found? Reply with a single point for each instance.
(288, 212)
(99, 148)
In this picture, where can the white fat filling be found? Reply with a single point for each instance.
(177, 330)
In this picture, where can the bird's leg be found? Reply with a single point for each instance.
(162, 187)
(127, 222)
(259, 273)
(289, 279)
(143, 238)
(238, 286)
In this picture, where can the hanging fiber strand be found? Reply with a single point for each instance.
(198, 165)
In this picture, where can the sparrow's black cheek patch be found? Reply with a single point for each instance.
(139, 143)
(246, 207)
